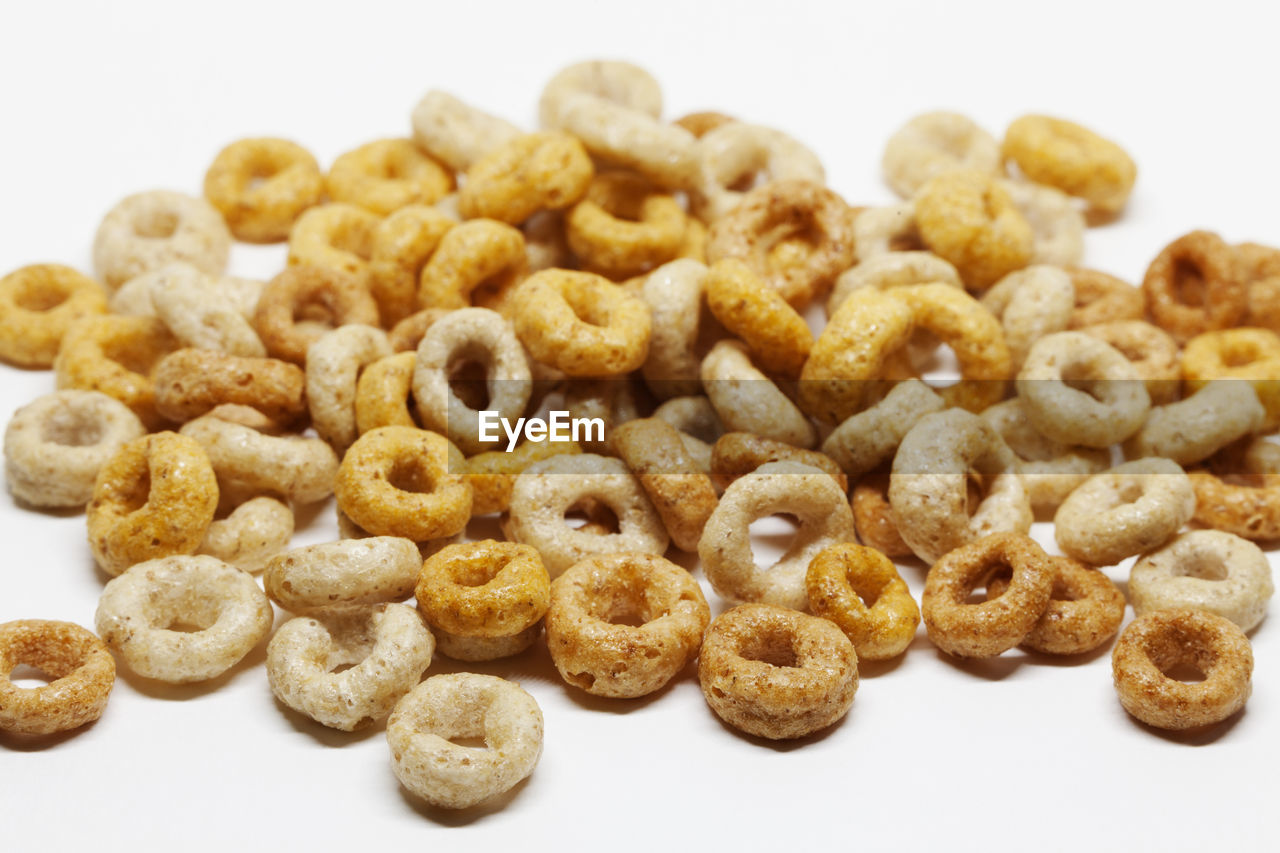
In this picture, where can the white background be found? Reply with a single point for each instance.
(100, 101)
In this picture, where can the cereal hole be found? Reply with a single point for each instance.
(72, 429)
(774, 649)
(1204, 567)
(470, 741)
(43, 298)
(411, 475)
(626, 612)
(598, 515)
(1183, 671)
(29, 677)
(468, 373)
(1188, 283)
(185, 625)
(771, 536)
(159, 225)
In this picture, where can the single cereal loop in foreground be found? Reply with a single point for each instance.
(859, 589)
(262, 185)
(1207, 570)
(484, 589)
(38, 304)
(81, 671)
(1084, 612)
(1194, 286)
(581, 323)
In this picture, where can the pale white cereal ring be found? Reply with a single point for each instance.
(134, 296)
(880, 230)
(1197, 427)
(620, 82)
(674, 293)
(150, 229)
(1030, 303)
(627, 137)
(334, 362)
(253, 533)
(371, 570)
(892, 269)
(386, 648)
(1050, 470)
(182, 619)
(737, 154)
(746, 400)
(200, 314)
(457, 134)
(1205, 570)
(1056, 222)
(863, 441)
(936, 142)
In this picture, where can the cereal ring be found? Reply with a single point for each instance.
(190, 382)
(148, 230)
(1194, 429)
(1104, 402)
(968, 218)
(936, 142)
(1248, 505)
(674, 293)
(251, 535)
(1085, 609)
(385, 648)
(864, 440)
(624, 227)
(873, 516)
(352, 571)
(768, 216)
(1056, 223)
(384, 393)
(1103, 298)
(890, 270)
(1152, 352)
(183, 619)
(623, 625)
(1158, 643)
(1259, 268)
(478, 262)
(155, 497)
(806, 492)
(999, 623)
(38, 304)
(455, 133)
(1130, 509)
(493, 474)
(261, 186)
(681, 494)
(334, 236)
(536, 171)
(334, 363)
(401, 481)
(115, 355)
(1030, 303)
(884, 230)
(403, 244)
(778, 337)
(621, 82)
(738, 453)
(200, 314)
(302, 303)
(748, 401)
(385, 175)
(447, 708)
(1208, 570)
(1194, 286)
(859, 590)
(1049, 469)
(1252, 354)
(737, 154)
(581, 323)
(407, 334)
(542, 495)
(81, 669)
(134, 296)
(55, 445)
(776, 673)
(928, 486)
(1071, 158)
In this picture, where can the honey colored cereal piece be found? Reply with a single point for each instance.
(478, 262)
(778, 337)
(1103, 298)
(1244, 354)
(624, 226)
(580, 323)
(1194, 286)
(1084, 612)
(738, 453)
(936, 142)
(403, 244)
(384, 393)
(682, 495)
(191, 382)
(80, 668)
(967, 217)
(151, 229)
(873, 516)
(1259, 267)
(303, 302)
(115, 355)
(261, 186)
(533, 172)
(734, 154)
(1247, 505)
(385, 175)
(38, 305)
(334, 236)
(859, 589)
(1154, 354)
(1072, 158)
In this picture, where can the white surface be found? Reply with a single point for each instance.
(109, 99)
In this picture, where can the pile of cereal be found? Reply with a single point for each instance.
(639, 288)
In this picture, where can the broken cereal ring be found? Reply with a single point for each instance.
(1248, 505)
(873, 516)
(1049, 469)
(1195, 428)
(864, 440)
(250, 535)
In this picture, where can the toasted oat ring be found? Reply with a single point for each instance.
(154, 497)
(936, 142)
(1259, 267)
(1103, 298)
(1049, 469)
(493, 474)
(190, 382)
(401, 481)
(778, 337)
(621, 82)
(1085, 609)
(254, 532)
(455, 133)
(1209, 570)
(334, 236)
(334, 363)
(1252, 354)
(38, 304)
(384, 393)
(873, 516)
(403, 244)
(884, 230)
(1030, 303)
(623, 625)
(770, 214)
(968, 218)
(1158, 642)
(1152, 352)
(200, 313)
(181, 619)
(737, 453)
(1130, 509)
(776, 673)
(303, 302)
(1071, 158)
(55, 445)
(115, 355)
(864, 440)
(478, 262)
(387, 174)
(536, 171)
(263, 213)
(445, 708)
(80, 665)
(1111, 406)
(998, 624)
(624, 227)
(674, 293)
(581, 323)
(408, 333)
(890, 270)
(1194, 286)
(747, 400)
(386, 648)
(735, 154)
(1197, 427)
(682, 495)
(486, 589)
(1248, 506)
(859, 589)
(148, 230)
(371, 570)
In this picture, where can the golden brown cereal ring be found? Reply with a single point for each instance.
(1103, 298)
(1259, 268)
(385, 175)
(736, 154)
(372, 570)
(1130, 509)
(484, 589)
(155, 497)
(1194, 286)
(776, 673)
(403, 243)
(747, 400)
(623, 226)
(581, 323)
(334, 236)
(623, 625)
(115, 355)
(997, 624)
(778, 337)
(1248, 505)
(1209, 570)
(1153, 353)
(873, 516)
(493, 474)
(738, 453)
(401, 481)
(1105, 401)
(928, 487)
(384, 393)
(302, 303)
(190, 382)
(251, 534)
(883, 230)
(455, 133)
(536, 171)
(889, 270)
(1056, 223)
(770, 214)
(859, 590)
(407, 334)
(55, 445)
(936, 142)
(134, 296)
(263, 212)
(385, 647)
(38, 304)
(447, 708)
(864, 440)
(1049, 469)
(478, 262)
(968, 218)
(1197, 427)
(334, 363)
(702, 123)
(200, 313)
(80, 667)
(674, 294)
(1157, 643)
(183, 619)
(150, 229)
(1252, 354)
(682, 495)
(1030, 303)
(1072, 158)
(1085, 609)
(806, 492)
